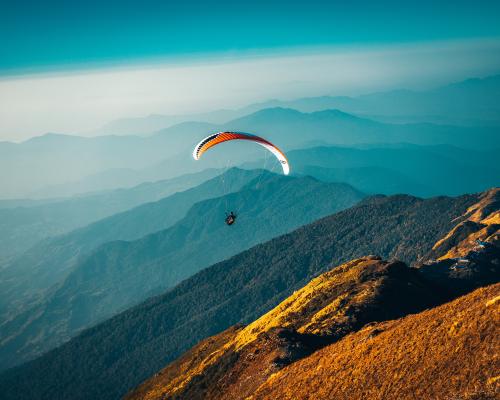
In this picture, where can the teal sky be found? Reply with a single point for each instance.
(41, 35)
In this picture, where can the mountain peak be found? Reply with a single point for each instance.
(333, 112)
(276, 111)
(52, 136)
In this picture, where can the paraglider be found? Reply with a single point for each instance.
(221, 137)
(230, 218)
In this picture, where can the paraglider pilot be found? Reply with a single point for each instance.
(230, 218)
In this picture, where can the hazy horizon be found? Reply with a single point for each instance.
(81, 101)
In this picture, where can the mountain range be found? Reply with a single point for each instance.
(104, 162)
(111, 358)
(50, 260)
(471, 102)
(378, 168)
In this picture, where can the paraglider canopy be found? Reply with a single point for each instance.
(222, 137)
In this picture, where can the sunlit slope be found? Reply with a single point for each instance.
(481, 223)
(331, 306)
(112, 358)
(446, 352)
(461, 260)
(120, 274)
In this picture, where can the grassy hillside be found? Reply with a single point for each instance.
(108, 360)
(329, 307)
(293, 359)
(446, 352)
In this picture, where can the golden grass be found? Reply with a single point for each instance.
(449, 352)
(318, 303)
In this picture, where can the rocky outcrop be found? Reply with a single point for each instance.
(469, 255)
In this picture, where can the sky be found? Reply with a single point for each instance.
(73, 66)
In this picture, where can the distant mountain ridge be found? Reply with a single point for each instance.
(286, 125)
(108, 360)
(55, 159)
(468, 102)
